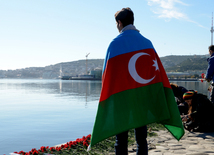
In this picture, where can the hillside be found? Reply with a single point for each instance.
(173, 60)
(79, 67)
(189, 64)
(53, 71)
(172, 63)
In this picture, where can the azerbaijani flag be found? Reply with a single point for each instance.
(135, 90)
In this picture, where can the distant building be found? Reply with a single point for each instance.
(97, 72)
(198, 72)
(2, 76)
(177, 73)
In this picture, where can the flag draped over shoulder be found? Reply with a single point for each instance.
(135, 90)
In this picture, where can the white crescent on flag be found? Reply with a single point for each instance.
(133, 72)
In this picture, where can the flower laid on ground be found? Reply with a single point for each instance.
(80, 144)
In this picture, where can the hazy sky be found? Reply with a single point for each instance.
(38, 33)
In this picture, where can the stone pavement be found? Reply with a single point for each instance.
(192, 143)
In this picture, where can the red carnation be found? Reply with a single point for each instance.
(70, 144)
(58, 148)
(85, 143)
(42, 149)
(74, 142)
(21, 152)
(77, 140)
(66, 146)
(52, 148)
(35, 152)
(202, 75)
(89, 136)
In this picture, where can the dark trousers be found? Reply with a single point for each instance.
(121, 145)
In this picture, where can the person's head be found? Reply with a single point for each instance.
(124, 17)
(188, 96)
(211, 49)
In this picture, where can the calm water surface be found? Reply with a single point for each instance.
(35, 113)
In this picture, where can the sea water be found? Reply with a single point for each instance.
(35, 113)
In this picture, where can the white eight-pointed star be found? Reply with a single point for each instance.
(155, 65)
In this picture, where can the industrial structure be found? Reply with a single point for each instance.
(86, 63)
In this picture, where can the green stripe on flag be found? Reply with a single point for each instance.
(135, 108)
(174, 124)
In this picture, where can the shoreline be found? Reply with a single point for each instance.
(189, 79)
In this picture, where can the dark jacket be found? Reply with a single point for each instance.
(202, 112)
(210, 68)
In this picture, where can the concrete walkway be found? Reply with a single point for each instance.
(192, 143)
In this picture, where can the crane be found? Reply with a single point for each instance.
(86, 63)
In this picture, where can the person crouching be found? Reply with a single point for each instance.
(200, 114)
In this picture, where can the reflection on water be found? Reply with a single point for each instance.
(53, 86)
(89, 89)
(37, 113)
(60, 88)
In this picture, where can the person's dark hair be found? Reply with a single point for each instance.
(174, 89)
(126, 16)
(211, 47)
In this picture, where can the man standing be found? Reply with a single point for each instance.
(210, 70)
(135, 90)
(124, 20)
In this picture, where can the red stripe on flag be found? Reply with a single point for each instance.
(117, 78)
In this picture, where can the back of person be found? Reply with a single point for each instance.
(178, 92)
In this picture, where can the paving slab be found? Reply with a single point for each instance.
(192, 143)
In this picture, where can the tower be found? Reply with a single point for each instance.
(86, 64)
(212, 30)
